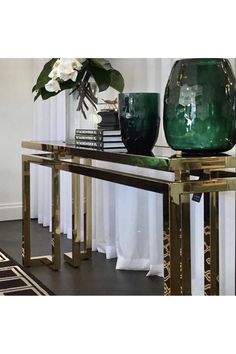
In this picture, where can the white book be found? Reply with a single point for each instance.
(106, 145)
(95, 138)
(98, 132)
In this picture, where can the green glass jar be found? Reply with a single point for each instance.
(139, 115)
(199, 106)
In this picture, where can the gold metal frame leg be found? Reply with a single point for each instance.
(27, 260)
(211, 243)
(73, 258)
(214, 218)
(26, 242)
(166, 244)
(175, 242)
(184, 199)
(87, 252)
(56, 234)
(185, 244)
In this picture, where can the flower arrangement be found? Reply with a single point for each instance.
(77, 74)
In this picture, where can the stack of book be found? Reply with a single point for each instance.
(99, 139)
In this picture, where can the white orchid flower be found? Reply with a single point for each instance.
(72, 76)
(66, 69)
(54, 74)
(52, 86)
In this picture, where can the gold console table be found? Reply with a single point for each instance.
(214, 174)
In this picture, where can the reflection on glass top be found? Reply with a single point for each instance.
(161, 152)
(163, 158)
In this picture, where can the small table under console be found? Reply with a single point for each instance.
(214, 174)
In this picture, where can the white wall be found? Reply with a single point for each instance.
(15, 125)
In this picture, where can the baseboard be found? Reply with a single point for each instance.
(10, 211)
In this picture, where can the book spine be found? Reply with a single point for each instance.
(96, 142)
(99, 144)
(87, 131)
(114, 138)
(101, 147)
(97, 132)
(89, 143)
(98, 136)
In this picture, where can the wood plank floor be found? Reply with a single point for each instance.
(96, 276)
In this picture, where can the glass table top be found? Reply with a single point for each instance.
(163, 158)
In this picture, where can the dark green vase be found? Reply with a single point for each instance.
(139, 121)
(199, 106)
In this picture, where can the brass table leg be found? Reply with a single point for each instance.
(211, 243)
(56, 234)
(73, 258)
(87, 252)
(26, 244)
(214, 209)
(185, 253)
(166, 244)
(185, 244)
(55, 259)
(175, 242)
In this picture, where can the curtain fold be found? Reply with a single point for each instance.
(49, 124)
(137, 230)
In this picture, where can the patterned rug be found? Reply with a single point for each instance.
(16, 280)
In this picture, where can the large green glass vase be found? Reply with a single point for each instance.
(199, 106)
(139, 115)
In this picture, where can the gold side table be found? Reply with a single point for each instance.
(215, 175)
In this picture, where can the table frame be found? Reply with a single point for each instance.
(176, 200)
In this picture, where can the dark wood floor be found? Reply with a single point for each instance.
(96, 276)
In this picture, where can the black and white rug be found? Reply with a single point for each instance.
(15, 280)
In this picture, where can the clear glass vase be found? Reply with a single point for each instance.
(75, 119)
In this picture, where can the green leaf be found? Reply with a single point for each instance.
(64, 86)
(43, 76)
(46, 94)
(101, 63)
(81, 73)
(101, 76)
(117, 80)
(67, 85)
(37, 95)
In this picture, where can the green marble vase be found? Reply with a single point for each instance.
(199, 106)
(139, 115)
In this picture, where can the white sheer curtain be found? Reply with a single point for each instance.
(133, 230)
(49, 124)
(127, 222)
